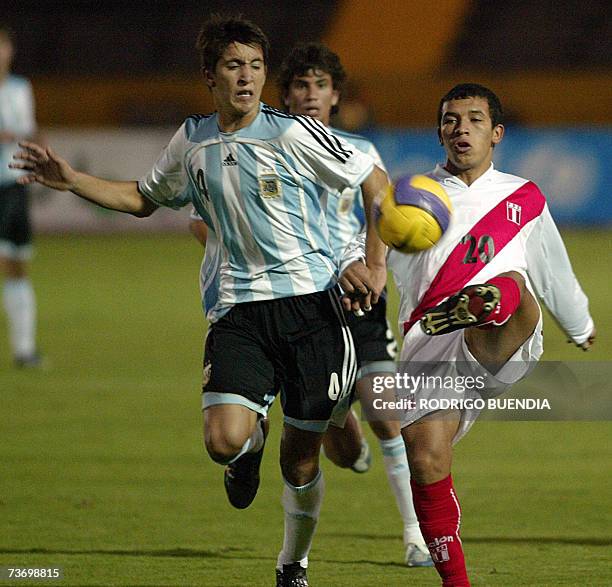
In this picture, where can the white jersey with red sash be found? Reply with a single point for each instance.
(500, 223)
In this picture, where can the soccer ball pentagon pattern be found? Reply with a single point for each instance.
(414, 214)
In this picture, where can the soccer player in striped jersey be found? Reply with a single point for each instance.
(469, 305)
(255, 175)
(17, 122)
(310, 83)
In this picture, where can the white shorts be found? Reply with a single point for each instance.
(447, 356)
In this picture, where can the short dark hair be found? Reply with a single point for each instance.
(311, 56)
(220, 31)
(462, 91)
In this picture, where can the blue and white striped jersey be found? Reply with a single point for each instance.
(16, 117)
(345, 213)
(258, 189)
(209, 270)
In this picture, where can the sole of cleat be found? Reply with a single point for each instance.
(455, 312)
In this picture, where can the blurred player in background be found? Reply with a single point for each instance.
(17, 122)
(255, 176)
(468, 305)
(310, 82)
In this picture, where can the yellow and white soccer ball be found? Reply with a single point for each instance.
(414, 214)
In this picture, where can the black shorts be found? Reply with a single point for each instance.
(15, 228)
(300, 346)
(372, 335)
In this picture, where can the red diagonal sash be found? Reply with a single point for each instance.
(500, 223)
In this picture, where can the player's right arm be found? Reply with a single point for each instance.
(373, 189)
(46, 167)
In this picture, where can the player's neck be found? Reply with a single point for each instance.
(232, 122)
(467, 176)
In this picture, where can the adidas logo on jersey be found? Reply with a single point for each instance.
(229, 160)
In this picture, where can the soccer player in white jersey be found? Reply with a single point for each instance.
(17, 122)
(469, 304)
(310, 83)
(255, 175)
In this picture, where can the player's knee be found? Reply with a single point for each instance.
(342, 456)
(428, 464)
(342, 446)
(221, 446)
(300, 475)
(299, 472)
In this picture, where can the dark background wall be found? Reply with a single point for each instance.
(133, 62)
(143, 37)
(515, 35)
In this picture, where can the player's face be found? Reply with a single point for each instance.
(312, 94)
(468, 136)
(236, 85)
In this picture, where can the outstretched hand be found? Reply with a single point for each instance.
(589, 342)
(44, 166)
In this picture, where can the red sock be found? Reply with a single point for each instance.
(510, 300)
(439, 515)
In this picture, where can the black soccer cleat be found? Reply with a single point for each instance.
(241, 478)
(33, 361)
(472, 306)
(293, 575)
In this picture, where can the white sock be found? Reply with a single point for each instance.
(253, 443)
(398, 473)
(302, 506)
(20, 306)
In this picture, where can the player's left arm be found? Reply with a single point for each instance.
(551, 273)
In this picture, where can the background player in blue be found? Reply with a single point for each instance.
(255, 175)
(17, 122)
(310, 83)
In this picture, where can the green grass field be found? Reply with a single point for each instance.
(103, 472)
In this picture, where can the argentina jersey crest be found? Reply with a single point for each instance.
(270, 185)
